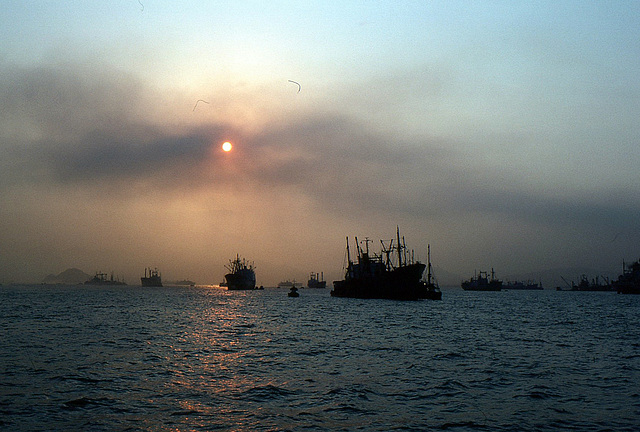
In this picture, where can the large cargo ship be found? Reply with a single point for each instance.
(151, 278)
(481, 282)
(393, 274)
(241, 275)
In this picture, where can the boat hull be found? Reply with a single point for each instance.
(154, 281)
(244, 279)
(402, 283)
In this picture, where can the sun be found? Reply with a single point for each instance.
(226, 146)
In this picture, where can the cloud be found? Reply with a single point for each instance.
(69, 133)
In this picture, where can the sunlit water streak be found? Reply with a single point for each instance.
(200, 359)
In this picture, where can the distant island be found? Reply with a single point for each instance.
(70, 276)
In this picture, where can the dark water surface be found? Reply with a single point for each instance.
(204, 359)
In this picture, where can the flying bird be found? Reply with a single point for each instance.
(141, 5)
(299, 86)
(199, 100)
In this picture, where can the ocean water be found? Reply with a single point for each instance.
(206, 359)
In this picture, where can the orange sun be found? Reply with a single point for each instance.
(226, 146)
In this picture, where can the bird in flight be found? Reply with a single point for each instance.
(299, 86)
(199, 100)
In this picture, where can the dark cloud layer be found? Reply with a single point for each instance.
(80, 131)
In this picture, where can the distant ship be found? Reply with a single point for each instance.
(590, 285)
(522, 285)
(101, 279)
(241, 275)
(289, 284)
(184, 282)
(152, 278)
(382, 276)
(481, 282)
(317, 280)
(629, 281)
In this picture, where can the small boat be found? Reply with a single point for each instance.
(293, 292)
(431, 289)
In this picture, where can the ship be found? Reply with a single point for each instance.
(293, 292)
(481, 282)
(522, 285)
(288, 284)
(101, 279)
(629, 281)
(430, 288)
(589, 285)
(381, 276)
(241, 275)
(151, 278)
(317, 280)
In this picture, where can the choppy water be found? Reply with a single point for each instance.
(201, 359)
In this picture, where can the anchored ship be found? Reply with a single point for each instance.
(101, 279)
(288, 284)
(151, 278)
(481, 282)
(382, 276)
(522, 285)
(629, 281)
(595, 284)
(317, 280)
(241, 275)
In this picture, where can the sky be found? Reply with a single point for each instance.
(503, 134)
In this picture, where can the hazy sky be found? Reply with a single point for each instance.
(503, 133)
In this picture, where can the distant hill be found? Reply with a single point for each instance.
(70, 276)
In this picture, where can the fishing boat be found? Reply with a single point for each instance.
(151, 278)
(241, 275)
(629, 281)
(481, 282)
(430, 288)
(381, 276)
(101, 279)
(316, 280)
(293, 292)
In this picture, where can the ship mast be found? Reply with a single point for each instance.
(348, 253)
(428, 263)
(399, 247)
